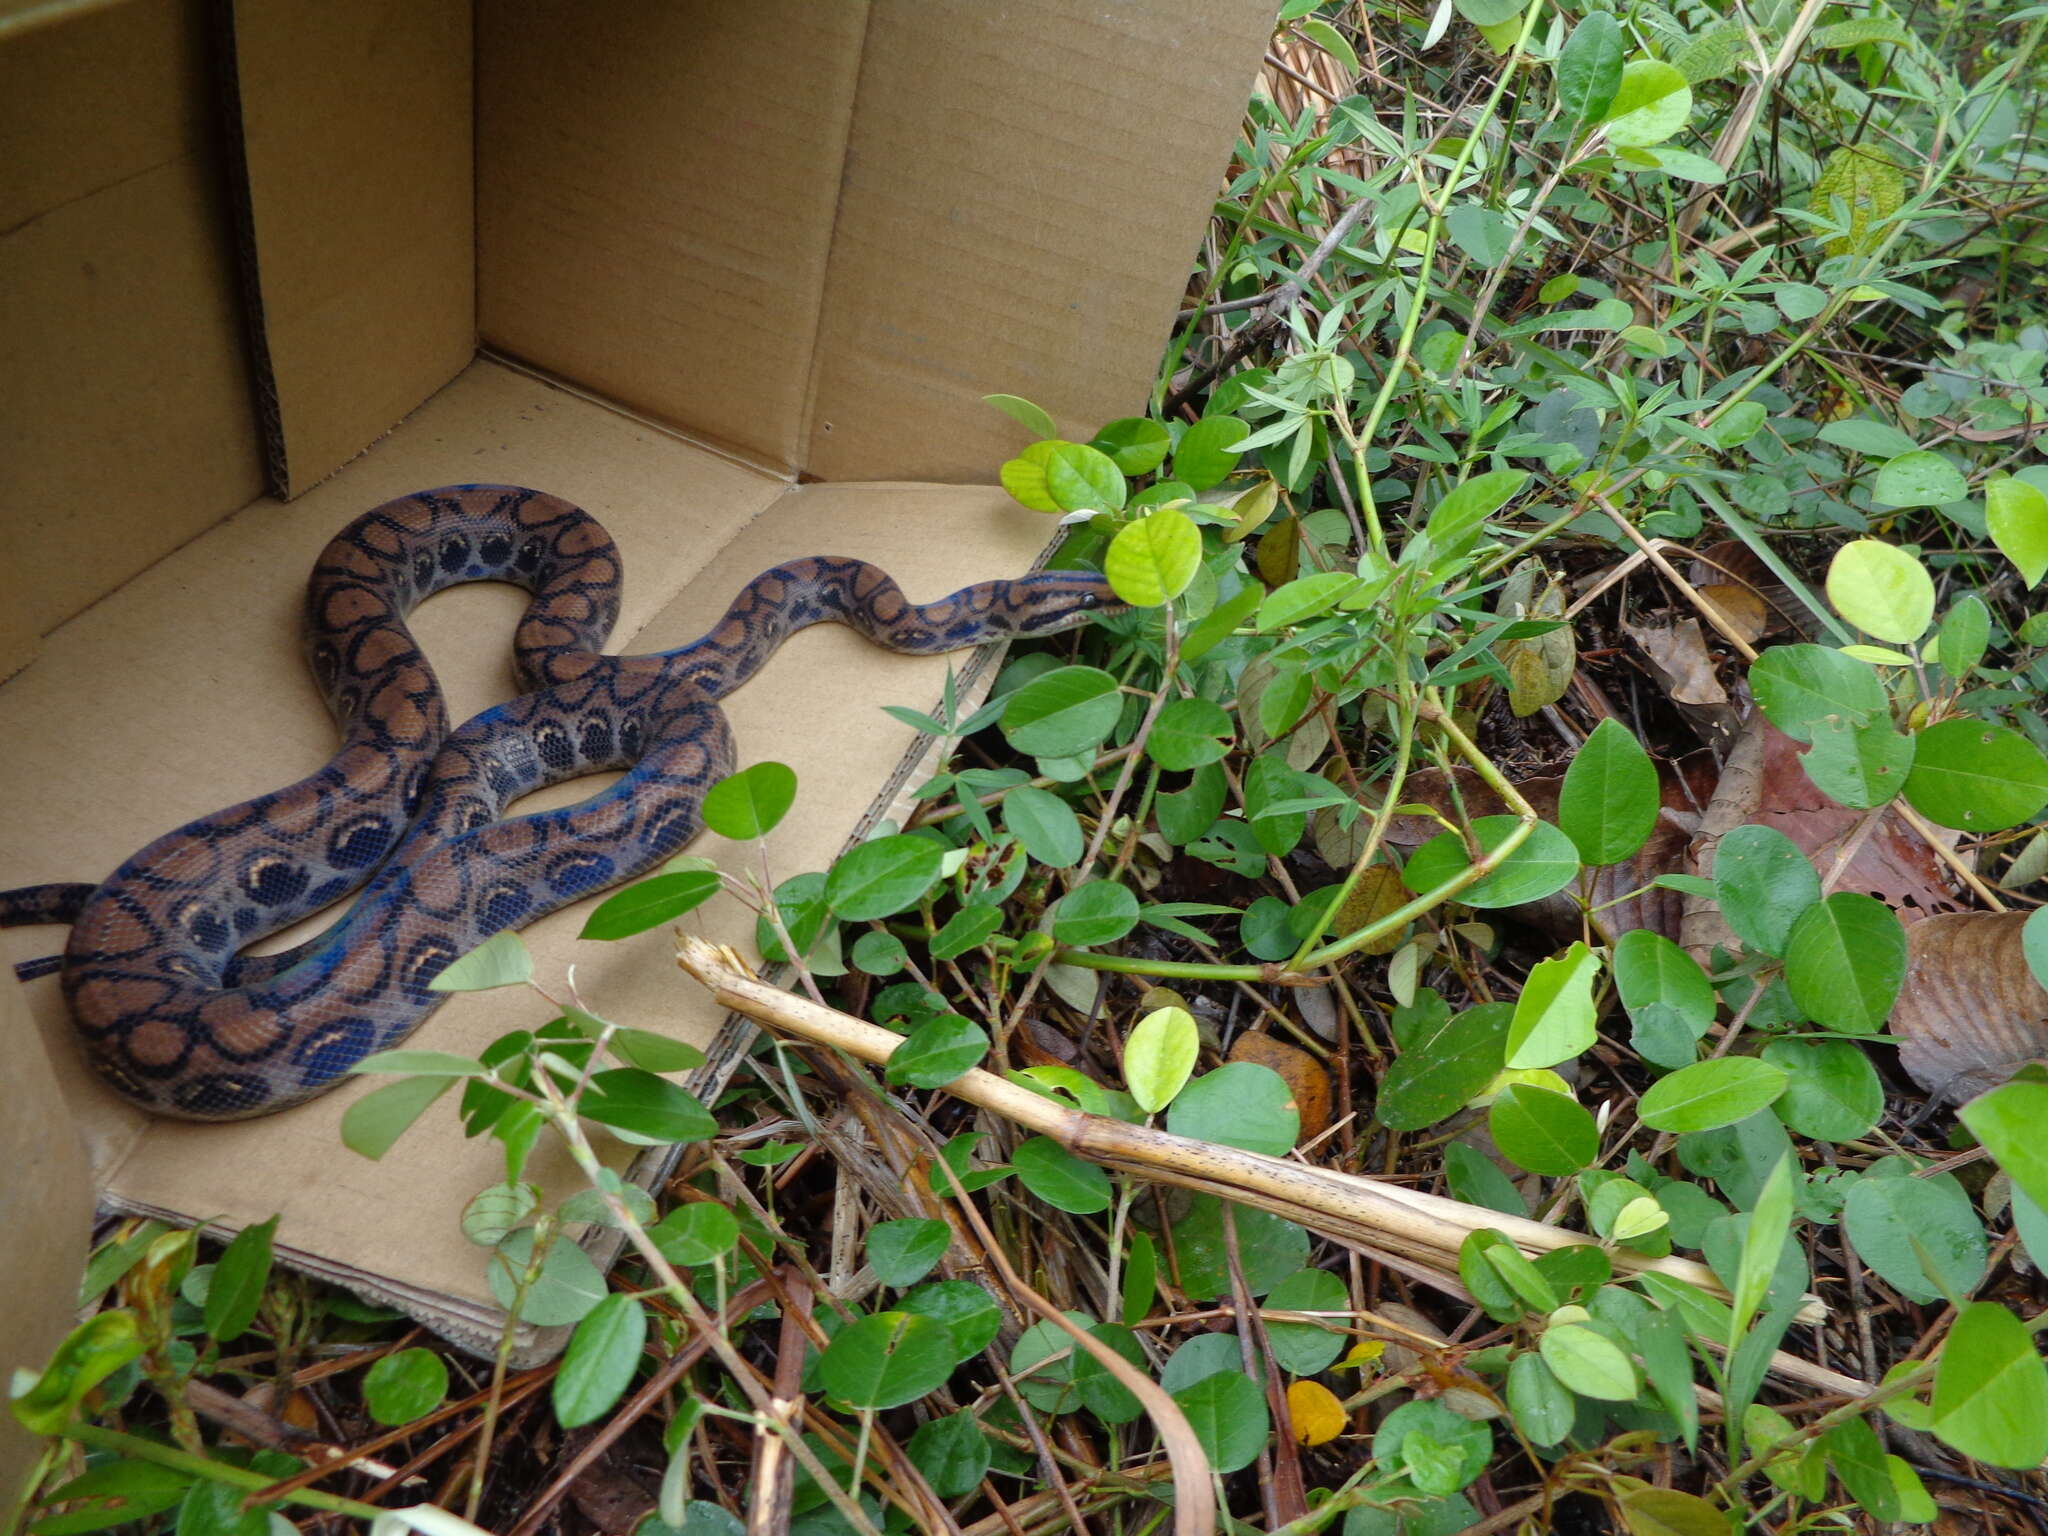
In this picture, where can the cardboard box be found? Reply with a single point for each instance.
(732, 276)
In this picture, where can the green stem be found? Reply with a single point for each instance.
(214, 1471)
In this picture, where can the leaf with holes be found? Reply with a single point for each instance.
(1976, 777)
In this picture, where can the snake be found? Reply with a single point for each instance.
(171, 1013)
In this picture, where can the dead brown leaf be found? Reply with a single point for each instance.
(1740, 610)
(1970, 1010)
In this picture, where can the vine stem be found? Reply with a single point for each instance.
(214, 1471)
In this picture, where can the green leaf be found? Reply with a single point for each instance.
(1099, 912)
(372, 1123)
(1609, 801)
(1304, 598)
(1844, 961)
(494, 1212)
(1152, 560)
(903, 1252)
(1589, 1363)
(887, 1360)
(649, 903)
(937, 1051)
(90, 1353)
(1228, 1414)
(1832, 1092)
(2007, 1121)
(696, 1233)
(1437, 1073)
(1546, 861)
(1650, 970)
(1308, 1348)
(1331, 41)
(1863, 766)
(1765, 885)
(1216, 627)
(1456, 520)
(1024, 477)
(1136, 444)
(882, 876)
(1965, 633)
(236, 1290)
(1651, 103)
(1084, 479)
(638, 1101)
(1554, 1017)
(1544, 1132)
(1709, 1094)
(965, 930)
(405, 1386)
(1059, 1178)
(952, 1453)
(598, 1366)
(1543, 1409)
(1046, 826)
(568, 1286)
(1799, 685)
(1065, 712)
(1031, 418)
(1976, 777)
(1188, 734)
(1588, 76)
(1991, 1390)
(500, 961)
(1917, 479)
(748, 804)
(1208, 451)
(1159, 1055)
(1881, 589)
(1458, 1448)
(1240, 1104)
(2017, 514)
(1903, 1226)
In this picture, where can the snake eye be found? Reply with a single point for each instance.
(1089, 599)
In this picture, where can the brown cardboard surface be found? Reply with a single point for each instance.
(659, 233)
(125, 423)
(184, 691)
(1025, 187)
(45, 1193)
(356, 124)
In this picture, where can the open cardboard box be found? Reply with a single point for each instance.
(732, 276)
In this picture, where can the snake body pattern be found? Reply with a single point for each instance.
(168, 1013)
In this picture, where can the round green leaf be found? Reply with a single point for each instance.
(1159, 1054)
(1976, 777)
(405, 1386)
(1588, 76)
(1227, 1412)
(1918, 479)
(1084, 479)
(1152, 560)
(1438, 1071)
(697, 1233)
(951, 1453)
(1059, 1178)
(1650, 969)
(1306, 1348)
(2017, 514)
(603, 1353)
(1710, 1094)
(969, 1313)
(1862, 766)
(882, 876)
(1188, 734)
(902, 1252)
(1207, 451)
(1546, 861)
(1542, 1131)
(937, 1051)
(749, 803)
(1799, 685)
(1882, 590)
(1589, 1363)
(1650, 104)
(1136, 444)
(887, 1360)
(1832, 1092)
(1764, 884)
(1542, 1407)
(1844, 961)
(1609, 801)
(1100, 912)
(1063, 712)
(1467, 1444)
(1241, 1104)
(1900, 1225)
(1045, 824)
(880, 954)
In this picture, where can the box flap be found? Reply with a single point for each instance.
(1025, 189)
(125, 425)
(356, 139)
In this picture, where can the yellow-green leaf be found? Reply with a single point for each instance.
(1152, 560)
(1882, 590)
(2017, 515)
(1652, 104)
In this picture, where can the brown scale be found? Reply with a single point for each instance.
(171, 1017)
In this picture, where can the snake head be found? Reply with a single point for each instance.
(1050, 601)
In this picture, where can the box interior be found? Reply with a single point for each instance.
(677, 263)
